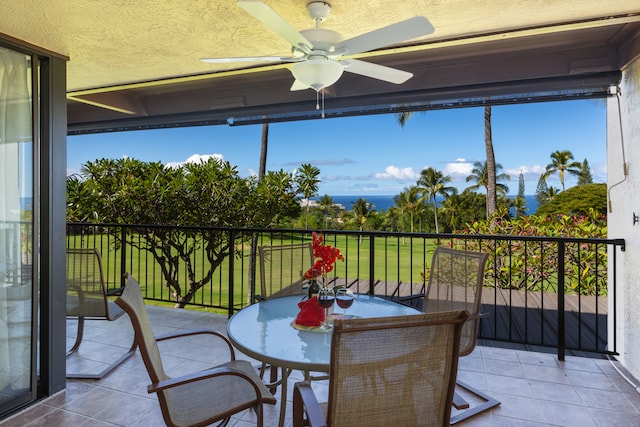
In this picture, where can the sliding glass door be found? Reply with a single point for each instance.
(17, 355)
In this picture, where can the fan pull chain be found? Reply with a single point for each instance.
(318, 103)
(317, 100)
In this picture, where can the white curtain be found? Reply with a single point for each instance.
(16, 185)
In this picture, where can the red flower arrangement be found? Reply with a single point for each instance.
(326, 257)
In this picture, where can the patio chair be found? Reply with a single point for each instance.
(281, 273)
(455, 283)
(88, 299)
(282, 268)
(200, 398)
(387, 371)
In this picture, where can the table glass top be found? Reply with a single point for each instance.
(264, 331)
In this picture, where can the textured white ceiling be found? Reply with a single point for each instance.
(112, 42)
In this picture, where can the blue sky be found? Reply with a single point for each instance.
(373, 155)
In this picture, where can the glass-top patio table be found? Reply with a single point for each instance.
(266, 332)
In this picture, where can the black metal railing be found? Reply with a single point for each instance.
(546, 291)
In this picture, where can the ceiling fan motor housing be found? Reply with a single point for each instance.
(322, 39)
(319, 10)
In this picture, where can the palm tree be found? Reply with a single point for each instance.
(547, 195)
(451, 205)
(433, 183)
(490, 166)
(362, 210)
(561, 162)
(492, 198)
(262, 169)
(263, 150)
(480, 175)
(307, 180)
(327, 206)
(411, 201)
(403, 117)
(519, 205)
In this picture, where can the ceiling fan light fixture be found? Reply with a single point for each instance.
(317, 73)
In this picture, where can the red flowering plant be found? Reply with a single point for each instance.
(325, 256)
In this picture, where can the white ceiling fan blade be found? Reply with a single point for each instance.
(271, 19)
(380, 72)
(297, 85)
(395, 33)
(252, 59)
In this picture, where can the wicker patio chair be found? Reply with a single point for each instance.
(282, 268)
(387, 371)
(455, 283)
(281, 273)
(200, 398)
(88, 299)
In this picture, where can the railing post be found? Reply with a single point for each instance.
(372, 264)
(123, 255)
(231, 270)
(561, 332)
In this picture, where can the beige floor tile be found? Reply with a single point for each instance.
(534, 388)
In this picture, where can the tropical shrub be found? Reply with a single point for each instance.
(533, 264)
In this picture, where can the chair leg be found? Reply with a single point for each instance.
(79, 335)
(273, 378)
(111, 367)
(223, 423)
(489, 402)
(459, 402)
(273, 383)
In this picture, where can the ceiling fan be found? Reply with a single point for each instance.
(321, 56)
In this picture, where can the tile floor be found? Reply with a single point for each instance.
(534, 387)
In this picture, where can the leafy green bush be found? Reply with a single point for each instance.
(577, 200)
(533, 265)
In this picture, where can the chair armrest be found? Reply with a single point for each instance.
(191, 332)
(474, 316)
(406, 297)
(305, 402)
(205, 375)
(115, 292)
(78, 290)
(408, 300)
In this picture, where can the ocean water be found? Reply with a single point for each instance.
(383, 203)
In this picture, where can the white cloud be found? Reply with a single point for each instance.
(533, 171)
(203, 158)
(394, 172)
(196, 158)
(461, 168)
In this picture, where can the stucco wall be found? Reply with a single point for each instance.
(623, 147)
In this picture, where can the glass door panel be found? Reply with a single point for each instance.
(16, 229)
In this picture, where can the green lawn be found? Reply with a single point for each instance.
(397, 260)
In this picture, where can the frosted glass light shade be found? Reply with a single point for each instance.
(317, 73)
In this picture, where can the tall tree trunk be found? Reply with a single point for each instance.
(435, 212)
(492, 203)
(263, 151)
(262, 170)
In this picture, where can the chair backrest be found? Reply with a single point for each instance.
(86, 290)
(394, 370)
(455, 283)
(282, 268)
(132, 303)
